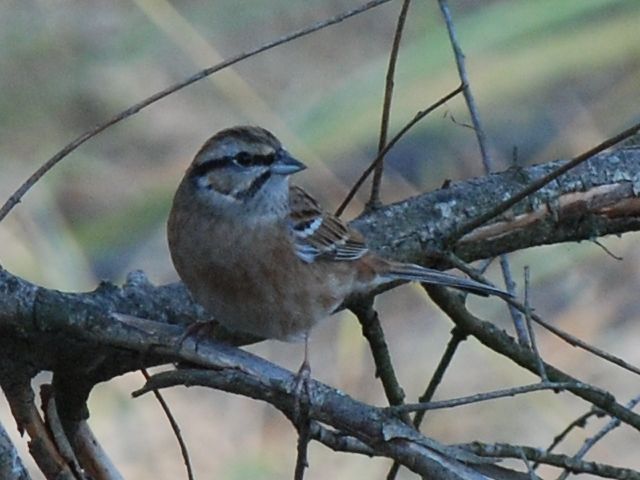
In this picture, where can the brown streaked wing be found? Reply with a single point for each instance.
(319, 234)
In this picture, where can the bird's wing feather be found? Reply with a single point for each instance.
(318, 234)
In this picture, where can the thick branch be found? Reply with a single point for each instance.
(79, 335)
(11, 466)
(595, 199)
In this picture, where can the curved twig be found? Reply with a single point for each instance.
(374, 198)
(16, 197)
(483, 397)
(174, 426)
(419, 116)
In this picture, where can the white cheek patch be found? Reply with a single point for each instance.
(211, 195)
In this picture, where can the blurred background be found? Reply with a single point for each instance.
(551, 79)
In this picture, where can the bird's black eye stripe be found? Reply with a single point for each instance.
(243, 159)
(210, 165)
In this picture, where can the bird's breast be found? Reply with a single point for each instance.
(253, 281)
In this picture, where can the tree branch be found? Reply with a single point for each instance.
(93, 336)
(500, 342)
(595, 199)
(11, 466)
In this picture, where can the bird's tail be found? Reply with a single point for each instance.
(410, 272)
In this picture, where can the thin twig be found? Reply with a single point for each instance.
(92, 456)
(502, 343)
(525, 460)
(372, 331)
(567, 337)
(517, 318)
(606, 250)
(527, 315)
(541, 182)
(581, 421)
(58, 434)
(503, 450)
(457, 337)
(174, 426)
(482, 397)
(418, 116)
(487, 161)
(16, 197)
(374, 199)
(576, 342)
(20, 397)
(590, 442)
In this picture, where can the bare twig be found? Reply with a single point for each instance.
(21, 401)
(419, 116)
(487, 161)
(541, 182)
(482, 397)
(502, 450)
(374, 199)
(92, 456)
(527, 316)
(606, 250)
(517, 318)
(590, 442)
(16, 197)
(576, 342)
(372, 331)
(579, 422)
(339, 441)
(457, 337)
(174, 426)
(464, 78)
(503, 344)
(385, 435)
(567, 337)
(525, 460)
(58, 434)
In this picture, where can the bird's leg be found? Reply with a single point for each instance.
(301, 388)
(197, 330)
(301, 411)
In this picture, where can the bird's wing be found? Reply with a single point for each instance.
(318, 234)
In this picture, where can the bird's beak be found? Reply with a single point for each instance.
(285, 164)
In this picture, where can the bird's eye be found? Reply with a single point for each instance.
(243, 159)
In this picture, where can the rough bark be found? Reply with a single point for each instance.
(86, 338)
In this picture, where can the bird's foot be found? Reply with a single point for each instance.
(197, 330)
(301, 394)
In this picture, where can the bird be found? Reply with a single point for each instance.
(260, 254)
